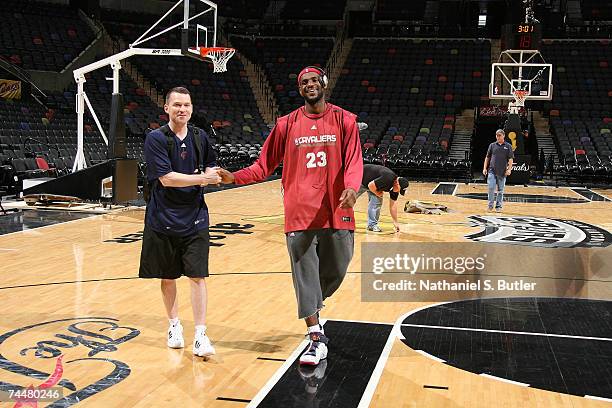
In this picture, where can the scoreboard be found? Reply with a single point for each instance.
(521, 36)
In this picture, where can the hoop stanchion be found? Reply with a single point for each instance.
(219, 56)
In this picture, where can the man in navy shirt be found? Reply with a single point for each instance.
(497, 166)
(176, 238)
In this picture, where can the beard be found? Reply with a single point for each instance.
(313, 100)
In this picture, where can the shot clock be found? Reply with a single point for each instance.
(521, 36)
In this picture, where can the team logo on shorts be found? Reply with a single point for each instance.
(538, 232)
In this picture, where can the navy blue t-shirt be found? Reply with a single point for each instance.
(499, 155)
(178, 211)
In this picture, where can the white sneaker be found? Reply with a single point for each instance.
(316, 351)
(201, 345)
(175, 336)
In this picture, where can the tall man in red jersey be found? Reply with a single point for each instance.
(322, 169)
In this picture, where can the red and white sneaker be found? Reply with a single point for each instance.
(316, 350)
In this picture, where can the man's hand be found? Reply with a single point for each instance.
(348, 198)
(484, 172)
(210, 176)
(508, 172)
(226, 176)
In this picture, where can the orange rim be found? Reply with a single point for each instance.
(205, 50)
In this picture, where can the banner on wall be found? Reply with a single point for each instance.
(520, 169)
(10, 89)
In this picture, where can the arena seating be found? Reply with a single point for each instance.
(400, 10)
(580, 114)
(327, 10)
(41, 36)
(282, 59)
(243, 9)
(410, 90)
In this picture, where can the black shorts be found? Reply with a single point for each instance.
(169, 257)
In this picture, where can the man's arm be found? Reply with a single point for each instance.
(159, 166)
(175, 179)
(510, 161)
(393, 211)
(485, 167)
(509, 167)
(353, 162)
(271, 155)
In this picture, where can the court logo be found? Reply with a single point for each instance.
(538, 232)
(31, 395)
(218, 232)
(82, 344)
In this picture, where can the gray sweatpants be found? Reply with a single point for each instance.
(319, 260)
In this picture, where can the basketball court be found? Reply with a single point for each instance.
(532, 328)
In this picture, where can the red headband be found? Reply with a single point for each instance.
(307, 70)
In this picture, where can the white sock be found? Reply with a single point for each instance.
(174, 321)
(317, 328)
(200, 328)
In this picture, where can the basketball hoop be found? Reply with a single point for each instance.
(219, 56)
(519, 97)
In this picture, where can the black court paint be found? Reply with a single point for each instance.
(435, 387)
(341, 379)
(218, 232)
(445, 188)
(246, 401)
(30, 219)
(590, 195)
(546, 354)
(527, 198)
(271, 359)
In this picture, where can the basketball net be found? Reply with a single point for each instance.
(519, 101)
(219, 56)
(519, 97)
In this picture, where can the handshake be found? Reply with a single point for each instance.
(216, 175)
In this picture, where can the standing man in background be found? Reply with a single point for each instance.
(497, 166)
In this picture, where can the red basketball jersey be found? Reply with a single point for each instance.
(321, 157)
